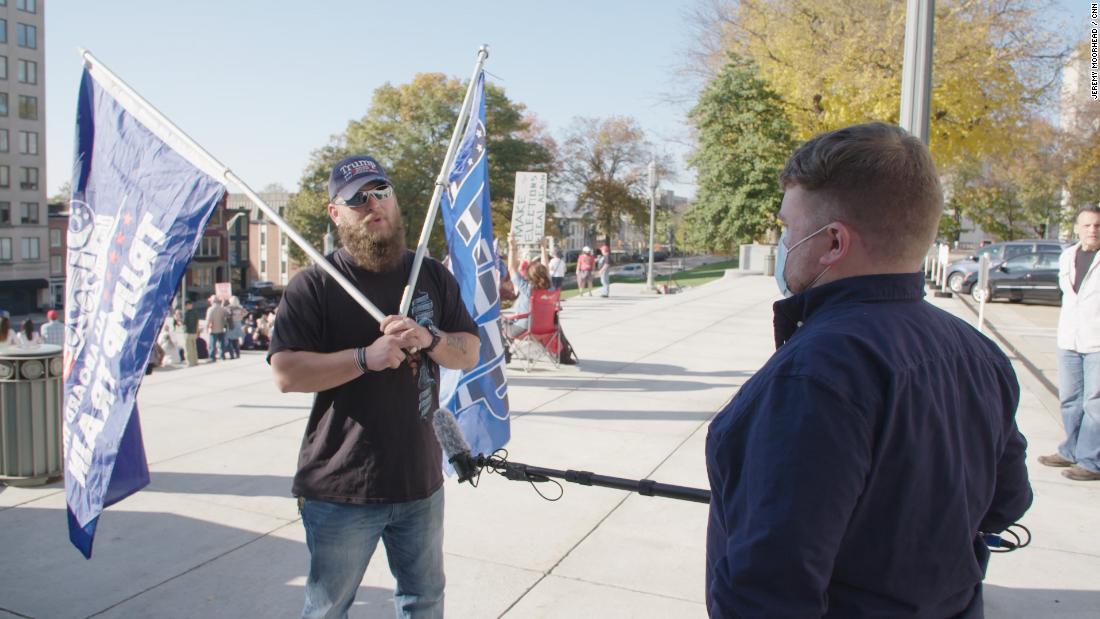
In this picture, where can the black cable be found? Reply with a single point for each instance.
(997, 542)
(497, 462)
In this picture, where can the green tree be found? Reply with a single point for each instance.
(407, 129)
(604, 162)
(744, 138)
(63, 195)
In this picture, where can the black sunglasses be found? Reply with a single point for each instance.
(363, 196)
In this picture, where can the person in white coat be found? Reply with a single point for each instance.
(1079, 352)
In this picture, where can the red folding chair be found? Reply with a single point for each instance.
(542, 339)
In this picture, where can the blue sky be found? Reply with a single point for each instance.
(262, 84)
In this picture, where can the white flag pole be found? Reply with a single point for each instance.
(172, 135)
(441, 184)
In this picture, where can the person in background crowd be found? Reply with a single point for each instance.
(167, 342)
(262, 337)
(248, 340)
(585, 262)
(216, 317)
(191, 332)
(28, 335)
(557, 270)
(603, 267)
(855, 473)
(1079, 353)
(7, 336)
(271, 323)
(53, 331)
(526, 277)
(233, 328)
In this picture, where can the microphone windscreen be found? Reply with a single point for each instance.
(449, 434)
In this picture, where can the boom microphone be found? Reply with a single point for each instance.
(454, 445)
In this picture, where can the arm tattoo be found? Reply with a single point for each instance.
(457, 343)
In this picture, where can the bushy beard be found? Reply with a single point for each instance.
(380, 251)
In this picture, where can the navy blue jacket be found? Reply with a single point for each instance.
(851, 475)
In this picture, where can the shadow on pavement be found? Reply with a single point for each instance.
(212, 483)
(149, 564)
(599, 366)
(617, 384)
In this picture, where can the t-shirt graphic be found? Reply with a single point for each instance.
(423, 310)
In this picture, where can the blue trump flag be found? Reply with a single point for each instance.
(478, 397)
(137, 214)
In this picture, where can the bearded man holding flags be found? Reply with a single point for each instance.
(369, 465)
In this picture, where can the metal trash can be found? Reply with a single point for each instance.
(30, 414)
(769, 263)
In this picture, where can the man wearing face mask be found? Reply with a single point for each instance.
(852, 474)
(370, 467)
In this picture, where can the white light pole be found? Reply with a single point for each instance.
(652, 216)
(916, 73)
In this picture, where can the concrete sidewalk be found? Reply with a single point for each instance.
(217, 535)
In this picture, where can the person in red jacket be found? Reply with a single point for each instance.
(585, 262)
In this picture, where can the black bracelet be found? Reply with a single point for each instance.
(361, 360)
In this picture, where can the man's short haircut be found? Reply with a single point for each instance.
(876, 178)
(1088, 208)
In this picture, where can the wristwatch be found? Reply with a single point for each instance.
(434, 332)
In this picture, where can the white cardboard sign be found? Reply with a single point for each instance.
(529, 208)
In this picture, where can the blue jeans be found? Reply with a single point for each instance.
(217, 344)
(605, 279)
(1079, 391)
(342, 537)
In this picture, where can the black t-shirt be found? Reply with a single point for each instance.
(1083, 262)
(369, 440)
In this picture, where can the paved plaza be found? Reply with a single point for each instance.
(217, 534)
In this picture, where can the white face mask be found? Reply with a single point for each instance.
(781, 252)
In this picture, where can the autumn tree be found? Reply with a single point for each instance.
(1016, 194)
(604, 161)
(407, 129)
(839, 63)
(744, 138)
(1081, 142)
(1082, 169)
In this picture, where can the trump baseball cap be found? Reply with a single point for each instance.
(353, 172)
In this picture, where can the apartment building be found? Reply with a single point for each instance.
(58, 224)
(210, 264)
(24, 230)
(264, 251)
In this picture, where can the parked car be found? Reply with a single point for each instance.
(958, 270)
(630, 270)
(1030, 277)
(254, 301)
